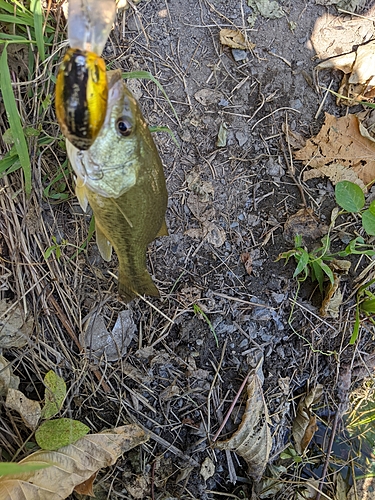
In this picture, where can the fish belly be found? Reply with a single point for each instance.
(130, 222)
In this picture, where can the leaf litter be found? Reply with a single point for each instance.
(340, 152)
(252, 440)
(304, 425)
(71, 465)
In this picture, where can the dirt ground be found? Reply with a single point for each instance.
(226, 214)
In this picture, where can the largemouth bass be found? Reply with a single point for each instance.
(121, 177)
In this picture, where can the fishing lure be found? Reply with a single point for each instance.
(81, 87)
(81, 96)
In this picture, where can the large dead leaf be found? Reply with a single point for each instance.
(358, 83)
(252, 440)
(71, 465)
(340, 152)
(14, 329)
(304, 425)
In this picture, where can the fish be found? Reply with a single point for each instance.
(121, 177)
(81, 96)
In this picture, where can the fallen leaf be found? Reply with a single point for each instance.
(14, 329)
(99, 341)
(54, 394)
(54, 434)
(204, 211)
(304, 425)
(358, 83)
(207, 97)
(70, 465)
(235, 39)
(221, 140)
(252, 440)
(349, 5)
(29, 410)
(247, 261)
(340, 142)
(86, 487)
(305, 224)
(269, 9)
(207, 469)
(333, 296)
(333, 35)
(7, 377)
(295, 140)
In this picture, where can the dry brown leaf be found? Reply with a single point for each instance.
(306, 224)
(70, 465)
(207, 97)
(304, 425)
(252, 440)
(358, 83)
(235, 40)
(29, 410)
(247, 261)
(87, 487)
(340, 142)
(14, 330)
(296, 140)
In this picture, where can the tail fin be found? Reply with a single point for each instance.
(130, 286)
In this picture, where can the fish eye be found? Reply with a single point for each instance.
(124, 127)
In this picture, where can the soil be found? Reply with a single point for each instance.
(224, 295)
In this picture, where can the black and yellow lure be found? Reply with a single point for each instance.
(81, 96)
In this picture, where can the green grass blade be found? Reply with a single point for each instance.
(36, 9)
(6, 6)
(165, 129)
(149, 76)
(26, 21)
(14, 119)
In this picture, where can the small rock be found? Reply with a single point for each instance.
(239, 55)
(241, 137)
(296, 104)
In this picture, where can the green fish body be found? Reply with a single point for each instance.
(121, 176)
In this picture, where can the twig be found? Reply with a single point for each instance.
(229, 412)
(213, 385)
(323, 100)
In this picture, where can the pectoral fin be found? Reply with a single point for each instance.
(105, 247)
(81, 193)
(163, 231)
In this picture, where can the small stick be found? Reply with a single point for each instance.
(323, 100)
(228, 414)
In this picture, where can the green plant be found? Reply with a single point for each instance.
(25, 27)
(198, 311)
(316, 263)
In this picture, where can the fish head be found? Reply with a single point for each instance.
(110, 167)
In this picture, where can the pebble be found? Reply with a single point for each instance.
(239, 55)
(296, 104)
(241, 137)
